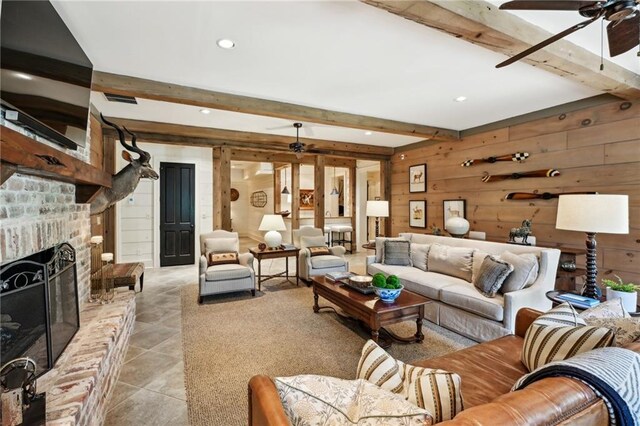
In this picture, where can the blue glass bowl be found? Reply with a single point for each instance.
(388, 295)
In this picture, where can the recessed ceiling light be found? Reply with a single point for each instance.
(460, 99)
(23, 76)
(368, 133)
(205, 111)
(225, 43)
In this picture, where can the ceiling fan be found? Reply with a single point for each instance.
(297, 146)
(308, 128)
(623, 30)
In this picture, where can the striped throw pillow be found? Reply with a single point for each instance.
(546, 343)
(380, 368)
(561, 315)
(438, 392)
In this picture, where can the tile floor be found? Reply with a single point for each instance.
(150, 390)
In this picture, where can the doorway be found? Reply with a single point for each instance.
(177, 214)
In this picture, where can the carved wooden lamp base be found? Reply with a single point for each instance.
(590, 288)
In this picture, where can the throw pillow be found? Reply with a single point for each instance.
(492, 275)
(379, 368)
(437, 391)
(609, 309)
(525, 271)
(316, 241)
(453, 261)
(476, 262)
(223, 258)
(220, 245)
(397, 253)
(563, 314)
(419, 254)
(627, 330)
(319, 400)
(318, 251)
(380, 246)
(544, 344)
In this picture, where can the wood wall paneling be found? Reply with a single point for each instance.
(595, 149)
(318, 195)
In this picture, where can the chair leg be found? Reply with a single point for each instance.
(253, 292)
(200, 300)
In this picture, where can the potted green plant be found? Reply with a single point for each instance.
(628, 292)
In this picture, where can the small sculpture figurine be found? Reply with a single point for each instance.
(522, 232)
(435, 230)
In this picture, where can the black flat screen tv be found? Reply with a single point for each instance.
(45, 81)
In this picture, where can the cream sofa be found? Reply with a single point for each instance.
(457, 304)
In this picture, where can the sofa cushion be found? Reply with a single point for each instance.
(220, 245)
(380, 368)
(327, 261)
(380, 246)
(227, 272)
(492, 275)
(627, 330)
(419, 254)
(222, 258)
(320, 400)
(397, 253)
(525, 271)
(547, 343)
(374, 268)
(318, 251)
(608, 309)
(453, 261)
(563, 314)
(427, 284)
(468, 298)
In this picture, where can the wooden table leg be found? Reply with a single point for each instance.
(374, 335)
(259, 274)
(316, 308)
(297, 271)
(286, 261)
(141, 281)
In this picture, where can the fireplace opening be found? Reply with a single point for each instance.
(39, 312)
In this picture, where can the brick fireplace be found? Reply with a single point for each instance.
(36, 214)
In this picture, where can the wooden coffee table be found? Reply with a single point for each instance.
(370, 310)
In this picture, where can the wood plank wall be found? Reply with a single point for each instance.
(595, 149)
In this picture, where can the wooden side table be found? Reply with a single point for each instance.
(274, 254)
(553, 296)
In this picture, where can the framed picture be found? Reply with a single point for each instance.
(418, 214)
(418, 178)
(454, 208)
(306, 199)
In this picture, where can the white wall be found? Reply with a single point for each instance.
(137, 223)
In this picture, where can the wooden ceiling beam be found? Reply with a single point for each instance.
(483, 24)
(257, 156)
(167, 92)
(178, 134)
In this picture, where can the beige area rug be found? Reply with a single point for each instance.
(232, 338)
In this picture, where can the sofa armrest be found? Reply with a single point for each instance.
(246, 259)
(203, 265)
(370, 260)
(533, 297)
(551, 401)
(524, 318)
(265, 408)
(338, 251)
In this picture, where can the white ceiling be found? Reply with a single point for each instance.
(339, 55)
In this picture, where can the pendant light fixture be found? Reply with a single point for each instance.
(285, 190)
(334, 191)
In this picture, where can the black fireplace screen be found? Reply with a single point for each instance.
(39, 306)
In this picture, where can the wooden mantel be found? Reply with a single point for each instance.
(22, 154)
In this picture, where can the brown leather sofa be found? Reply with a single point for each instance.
(488, 372)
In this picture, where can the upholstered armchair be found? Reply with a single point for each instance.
(309, 239)
(224, 277)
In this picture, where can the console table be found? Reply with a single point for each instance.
(274, 254)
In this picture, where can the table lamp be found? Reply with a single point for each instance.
(377, 209)
(272, 223)
(593, 213)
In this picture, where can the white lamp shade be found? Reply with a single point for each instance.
(377, 208)
(593, 213)
(272, 222)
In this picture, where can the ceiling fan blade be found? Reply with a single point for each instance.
(287, 126)
(546, 4)
(548, 41)
(623, 35)
(309, 131)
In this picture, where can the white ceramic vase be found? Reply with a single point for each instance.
(629, 300)
(457, 226)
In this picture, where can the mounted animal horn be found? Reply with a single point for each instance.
(144, 155)
(123, 141)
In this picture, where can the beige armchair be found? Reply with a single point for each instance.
(224, 278)
(317, 265)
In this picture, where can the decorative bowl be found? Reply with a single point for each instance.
(360, 281)
(388, 295)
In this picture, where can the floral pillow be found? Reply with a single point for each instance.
(609, 309)
(627, 330)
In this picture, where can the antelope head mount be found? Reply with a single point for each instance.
(126, 180)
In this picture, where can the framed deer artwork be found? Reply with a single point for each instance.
(418, 214)
(418, 178)
(306, 199)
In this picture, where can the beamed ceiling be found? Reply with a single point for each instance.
(340, 67)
